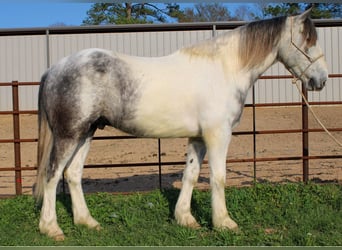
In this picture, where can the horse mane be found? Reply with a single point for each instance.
(257, 39)
(309, 33)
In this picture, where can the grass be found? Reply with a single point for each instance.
(288, 215)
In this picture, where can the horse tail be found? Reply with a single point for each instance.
(45, 140)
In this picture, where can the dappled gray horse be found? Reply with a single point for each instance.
(197, 92)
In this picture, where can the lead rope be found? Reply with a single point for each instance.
(295, 81)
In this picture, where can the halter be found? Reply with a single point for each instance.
(311, 60)
(295, 81)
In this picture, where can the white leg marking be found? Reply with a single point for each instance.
(74, 177)
(217, 141)
(195, 155)
(48, 219)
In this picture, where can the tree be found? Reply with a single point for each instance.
(205, 13)
(327, 10)
(245, 13)
(321, 10)
(124, 13)
(174, 11)
(129, 13)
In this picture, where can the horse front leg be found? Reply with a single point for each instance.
(195, 155)
(217, 141)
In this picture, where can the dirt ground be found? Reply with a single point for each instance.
(129, 179)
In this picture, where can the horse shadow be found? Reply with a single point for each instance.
(168, 183)
(131, 184)
(136, 184)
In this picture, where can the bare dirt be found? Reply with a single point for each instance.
(129, 179)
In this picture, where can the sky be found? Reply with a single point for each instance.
(35, 14)
(28, 14)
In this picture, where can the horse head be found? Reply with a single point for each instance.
(301, 54)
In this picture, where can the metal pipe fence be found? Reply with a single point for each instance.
(17, 141)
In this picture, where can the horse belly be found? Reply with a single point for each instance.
(165, 115)
(166, 127)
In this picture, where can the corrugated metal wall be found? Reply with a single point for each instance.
(138, 44)
(25, 58)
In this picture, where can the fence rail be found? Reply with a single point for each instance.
(305, 130)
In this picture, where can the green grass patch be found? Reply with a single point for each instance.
(268, 215)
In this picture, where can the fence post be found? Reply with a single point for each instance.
(159, 165)
(16, 137)
(254, 136)
(305, 136)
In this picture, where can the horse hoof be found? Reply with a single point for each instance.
(59, 237)
(194, 225)
(234, 229)
(54, 233)
(187, 221)
(227, 223)
(98, 228)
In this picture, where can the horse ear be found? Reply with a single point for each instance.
(306, 14)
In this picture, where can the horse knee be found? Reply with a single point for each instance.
(217, 182)
(191, 174)
(71, 178)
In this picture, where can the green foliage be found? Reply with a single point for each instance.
(129, 13)
(137, 13)
(268, 215)
(125, 13)
(320, 10)
(206, 12)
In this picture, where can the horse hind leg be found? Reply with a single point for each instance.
(61, 153)
(48, 219)
(195, 156)
(74, 177)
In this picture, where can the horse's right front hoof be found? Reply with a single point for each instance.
(98, 228)
(59, 237)
(226, 223)
(187, 221)
(55, 234)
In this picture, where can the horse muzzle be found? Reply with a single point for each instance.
(316, 84)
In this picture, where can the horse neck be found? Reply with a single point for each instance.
(257, 46)
(257, 70)
(225, 48)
